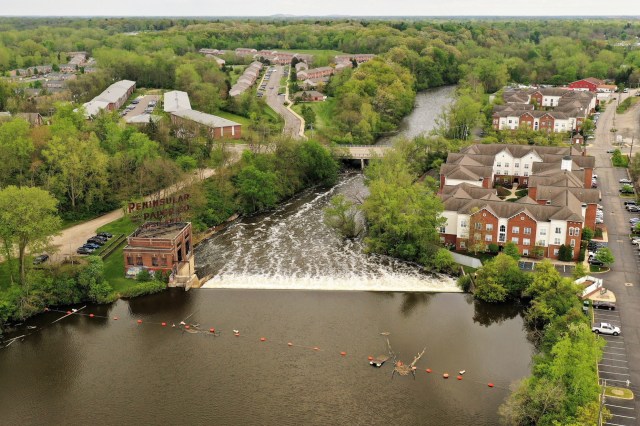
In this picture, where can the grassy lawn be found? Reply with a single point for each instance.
(237, 73)
(324, 112)
(114, 264)
(594, 268)
(626, 104)
(615, 392)
(321, 57)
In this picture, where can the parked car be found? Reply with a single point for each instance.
(105, 234)
(605, 328)
(610, 151)
(630, 203)
(96, 241)
(84, 250)
(92, 246)
(633, 209)
(634, 220)
(40, 259)
(629, 181)
(594, 185)
(635, 241)
(135, 101)
(595, 262)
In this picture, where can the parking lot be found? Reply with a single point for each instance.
(141, 106)
(613, 370)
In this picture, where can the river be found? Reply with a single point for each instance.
(429, 104)
(102, 370)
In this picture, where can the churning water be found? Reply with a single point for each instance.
(292, 248)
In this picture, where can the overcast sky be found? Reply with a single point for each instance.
(319, 7)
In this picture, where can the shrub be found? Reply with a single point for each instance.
(149, 287)
(587, 234)
(565, 253)
(494, 248)
(598, 233)
(144, 276)
(464, 282)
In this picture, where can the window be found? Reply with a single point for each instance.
(515, 240)
(502, 237)
(526, 173)
(573, 243)
(543, 231)
(525, 252)
(154, 261)
(463, 223)
(555, 252)
(477, 226)
(163, 261)
(541, 243)
(442, 239)
(556, 241)
(129, 260)
(526, 242)
(571, 232)
(526, 166)
(558, 230)
(515, 230)
(503, 228)
(488, 238)
(527, 231)
(442, 230)
(517, 164)
(139, 261)
(477, 237)
(506, 164)
(521, 217)
(463, 244)
(489, 227)
(499, 165)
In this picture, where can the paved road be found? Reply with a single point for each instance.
(292, 123)
(624, 278)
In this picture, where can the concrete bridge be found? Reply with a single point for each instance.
(361, 152)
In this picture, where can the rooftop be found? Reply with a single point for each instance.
(159, 230)
(176, 101)
(205, 119)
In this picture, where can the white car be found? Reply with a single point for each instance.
(629, 181)
(635, 241)
(605, 328)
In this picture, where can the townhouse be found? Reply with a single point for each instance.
(545, 109)
(314, 73)
(217, 127)
(247, 79)
(559, 203)
(111, 99)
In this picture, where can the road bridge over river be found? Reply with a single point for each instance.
(346, 152)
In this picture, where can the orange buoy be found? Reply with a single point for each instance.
(187, 327)
(414, 368)
(445, 375)
(236, 334)
(399, 364)
(115, 318)
(289, 344)
(164, 324)
(343, 353)
(69, 312)
(490, 385)
(90, 315)
(428, 370)
(139, 321)
(263, 339)
(459, 377)
(212, 330)
(370, 358)
(316, 348)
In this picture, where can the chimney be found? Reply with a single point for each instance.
(566, 163)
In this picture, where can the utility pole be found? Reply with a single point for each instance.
(604, 386)
(631, 147)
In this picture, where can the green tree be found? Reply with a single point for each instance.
(605, 256)
(309, 116)
(579, 271)
(316, 164)
(256, 189)
(28, 220)
(444, 261)
(16, 148)
(587, 234)
(341, 215)
(511, 250)
(501, 279)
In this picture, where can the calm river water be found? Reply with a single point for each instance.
(98, 370)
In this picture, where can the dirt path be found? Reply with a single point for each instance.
(71, 238)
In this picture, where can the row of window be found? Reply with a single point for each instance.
(155, 261)
(526, 166)
(573, 231)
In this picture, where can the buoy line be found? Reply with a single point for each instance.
(211, 331)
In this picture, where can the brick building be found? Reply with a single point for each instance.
(158, 246)
(559, 203)
(217, 127)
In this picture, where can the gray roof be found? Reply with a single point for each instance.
(116, 91)
(205, 119)
(176, 101)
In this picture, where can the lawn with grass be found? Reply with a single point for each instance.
(324, 113)
(626, 104)
(321, 57)
(615, 392)
(114, 264)
(233, 117)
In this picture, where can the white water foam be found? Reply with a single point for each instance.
(392, 283)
